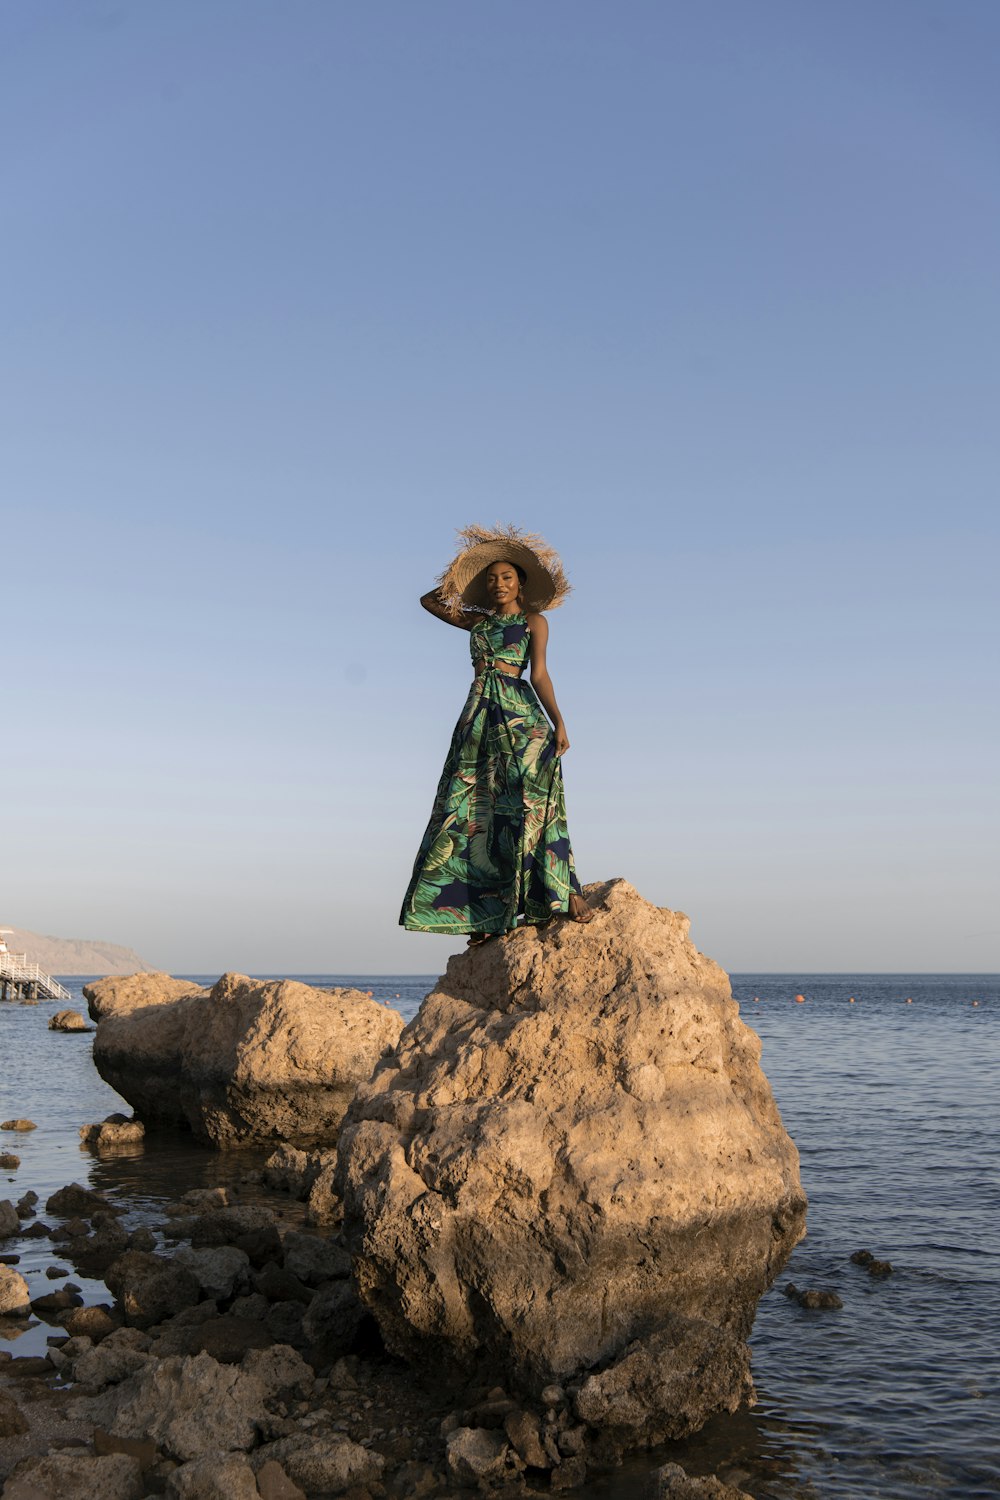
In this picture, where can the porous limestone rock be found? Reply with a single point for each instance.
(217, 1476)
(61, 1476)
(248, 1061)
(116, 1130)
(572, 1145)
(124, 992)
(330, 1464)
(189, 1406)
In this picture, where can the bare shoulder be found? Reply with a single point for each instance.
(538, 625)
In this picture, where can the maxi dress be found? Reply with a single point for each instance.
(497, 846)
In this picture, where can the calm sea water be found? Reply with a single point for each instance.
(894, 1110)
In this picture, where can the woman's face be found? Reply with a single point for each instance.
(502, 585)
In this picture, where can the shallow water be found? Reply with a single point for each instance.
(893, 1109)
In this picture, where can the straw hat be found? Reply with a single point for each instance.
(463, 582)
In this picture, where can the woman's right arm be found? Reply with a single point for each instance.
(435, 605)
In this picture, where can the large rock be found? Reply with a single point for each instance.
(68, 1020)
(247, 1061)
(572, 1147)
(120, 993)
(63, 1476)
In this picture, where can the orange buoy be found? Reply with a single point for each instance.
(851, 1001)
(800, 999)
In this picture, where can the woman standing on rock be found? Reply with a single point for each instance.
(497, 846)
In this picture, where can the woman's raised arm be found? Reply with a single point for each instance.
(435, 605)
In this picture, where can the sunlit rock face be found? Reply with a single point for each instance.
(573, 1160)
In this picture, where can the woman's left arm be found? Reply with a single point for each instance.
(542, 682)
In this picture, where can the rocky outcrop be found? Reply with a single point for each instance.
(246, 1061)
(573, 1166)
(112, 996)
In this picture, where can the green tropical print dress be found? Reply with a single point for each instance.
(497, 846)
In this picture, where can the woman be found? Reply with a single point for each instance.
(497, 847)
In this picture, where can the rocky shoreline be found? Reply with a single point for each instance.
(534, 1245)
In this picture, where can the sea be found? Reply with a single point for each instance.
(888, 1083)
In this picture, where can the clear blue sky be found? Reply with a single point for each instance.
(705, 293)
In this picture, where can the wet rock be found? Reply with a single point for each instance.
(142, 1238)
(116, 1130)
(68, 1020)
(217, 1476)
(287, 1171)
(75, 1201)
(206, 1200)
(476, 1454)
(220, 1272)
(10, 1224)
(26, 1205)
(55, 1302)
(274, 1484)
(314, 1260)
(30, 1367)
(662, 1386)
(73, 1229)
(115, 1476)
(329, 1464)
(37, 1231)
(813, 1297)
(880, 1268)
(124, 992)
(151, 1288)
(56, 1273)
(572, 1144)
(672, 1483)
(94, 1323)
(18, 1125)
(247, 1062)
(334, 1316)
(188, 1406)
(12, 1420)
(94, 1255)
(9, 1162)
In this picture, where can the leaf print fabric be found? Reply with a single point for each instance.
(497, 846)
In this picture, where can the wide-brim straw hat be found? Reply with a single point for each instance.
(463, 582)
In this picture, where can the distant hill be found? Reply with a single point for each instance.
(75, 955)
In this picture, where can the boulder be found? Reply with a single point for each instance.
(10, 1223)
(476, 1453)
(21, 1125)
(217, 1476)
(68, 1020)
(572, 1146)
(329, 1464)
(61, 1476)
(15, 1297)
(125, 992)
(188, 1406)
(247, 1062)
(220, 1272)
(150, 1287)
(116, 1130)
(12, 1420)
(74, 1200)
(9, 1162)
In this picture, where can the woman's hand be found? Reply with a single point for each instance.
(562, 739)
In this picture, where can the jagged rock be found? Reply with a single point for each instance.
(525, 1433)
(116, 1130)
(10, 1224)
(672, 1483)
(314, 1260)
(151, 1288)
(328, 1464)
(220, 1271)
(664, 1385)
(189, 1406)
(124, 992)
(287, 1171)
(76, 1201)
(15, 1297)
(334, 1316)
(476, 1453)
(283, 1374)
(60, 1476)
(573, 1144)
(249, 1061)
(68, 1020)
(12, 1420)
(217, 1476)
(108, 1364)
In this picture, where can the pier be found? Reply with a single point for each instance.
(21, 980)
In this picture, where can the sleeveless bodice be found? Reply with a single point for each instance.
(502, 638)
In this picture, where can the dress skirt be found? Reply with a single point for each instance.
(497, 846)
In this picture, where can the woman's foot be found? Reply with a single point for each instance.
(478, 938)
(579, 911)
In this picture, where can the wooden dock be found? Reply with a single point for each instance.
(21, 980)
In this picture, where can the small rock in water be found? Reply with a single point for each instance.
(74, 1201)
(812, 1296)
(68, 1020)
(862, 1258)
(18, 1125)
(56, 1273)
(116, 1130)
(26, 1205)
(872, 1266)
(9, 1162)
(10, 1224)
(671, 1482)
(37, 1231)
